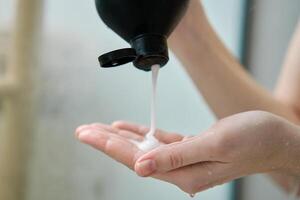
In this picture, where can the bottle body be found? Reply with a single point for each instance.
(144, 24)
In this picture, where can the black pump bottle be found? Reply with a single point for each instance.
(145, 25)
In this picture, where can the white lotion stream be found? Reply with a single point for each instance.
(150, 142)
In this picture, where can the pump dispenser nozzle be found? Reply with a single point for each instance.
(147, 50)
(145, 25)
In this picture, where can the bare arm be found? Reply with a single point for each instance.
(288, 88)
(224, 152)
(226, 86)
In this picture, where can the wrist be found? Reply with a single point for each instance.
(193, 45)
(291, 150)
(198, 44)
(190, 33)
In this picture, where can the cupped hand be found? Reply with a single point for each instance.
(116, 140)
(247, 143)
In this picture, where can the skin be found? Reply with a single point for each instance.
(221, 154)
(239, 145)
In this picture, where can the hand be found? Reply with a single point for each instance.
(114, 140)
(248, 143)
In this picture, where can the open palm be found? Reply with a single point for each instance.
(115, 141)
(240, 145)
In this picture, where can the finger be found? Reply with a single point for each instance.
(187, 138)
(115, 146)
(106, 127)
(177, 155)
(138, 129)
(199, 177)
(95, 126)
(80, 129)
(115, 130)
(130, 135)
(162, 136)
(167, 138)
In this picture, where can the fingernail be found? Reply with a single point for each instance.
(79, 129)
(86, 136)
(146, 167)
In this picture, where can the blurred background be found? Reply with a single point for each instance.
(50, 83)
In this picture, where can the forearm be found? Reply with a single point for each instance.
(288, 88)
(225, 85)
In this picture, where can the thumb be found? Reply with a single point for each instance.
(175, 155)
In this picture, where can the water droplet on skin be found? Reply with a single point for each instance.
(192, 195)
(287, 144)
